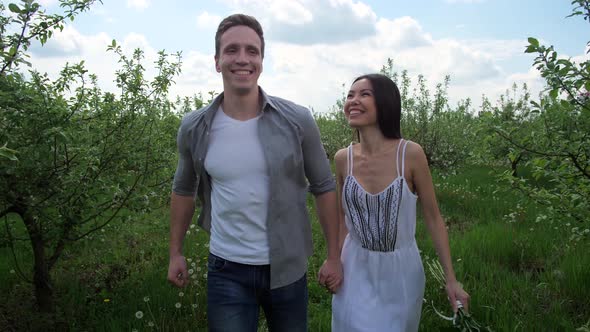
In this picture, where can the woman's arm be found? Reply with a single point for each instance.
(422, 180)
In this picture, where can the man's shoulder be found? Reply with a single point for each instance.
(286, 104)
(289, 108)
(195, 117)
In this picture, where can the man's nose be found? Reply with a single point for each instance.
(242, 57)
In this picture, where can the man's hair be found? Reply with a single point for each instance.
(387, 102)
(237, 20)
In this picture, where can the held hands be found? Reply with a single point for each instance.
(456, 293)
(330, 275)
(177, 271)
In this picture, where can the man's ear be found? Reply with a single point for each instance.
(217, 67)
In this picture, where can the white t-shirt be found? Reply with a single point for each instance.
(240, 191)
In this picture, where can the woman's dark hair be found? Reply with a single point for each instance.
(388, 104)
(236, 20)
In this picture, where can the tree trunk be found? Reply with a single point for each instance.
(42, 279)
(41, 276)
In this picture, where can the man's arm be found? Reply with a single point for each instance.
(323, 186)
(330, 274)
(328, 216)
(182, 207)
(181, 214)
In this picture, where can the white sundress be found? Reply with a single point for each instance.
(383, 286)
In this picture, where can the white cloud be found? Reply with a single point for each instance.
(401, 33)
(70, 46)
(583, 57)
(290, 12)
(285, 11)
(313, 74)
(138, 4)
(74, 47)
(64, 43)
(501, 49)
(135, 40)
(198, 76)
(206, 20)
(310, 22)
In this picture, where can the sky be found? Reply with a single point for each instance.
(315, 48)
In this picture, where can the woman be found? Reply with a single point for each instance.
(379, 180)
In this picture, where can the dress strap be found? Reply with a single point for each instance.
(349, 159)
(397, 152)
(404, 157)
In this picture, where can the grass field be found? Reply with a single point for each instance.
(524, 272)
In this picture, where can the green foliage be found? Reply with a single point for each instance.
(186, 104)
(556, 133)
(30, 22)
(461, 320)
(83, 155)
(521, 275)
(444, 133)
(7, 153)
(511, 116)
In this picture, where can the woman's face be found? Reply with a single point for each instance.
(359, 108)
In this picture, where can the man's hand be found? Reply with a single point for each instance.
(330, 274)
(177, 271)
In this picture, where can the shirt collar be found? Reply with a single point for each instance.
(214, 106)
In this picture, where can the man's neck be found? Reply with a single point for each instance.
(242, 107)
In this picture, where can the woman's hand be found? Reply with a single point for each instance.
(330, 275)
(456, 293)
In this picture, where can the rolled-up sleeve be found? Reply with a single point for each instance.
(316, 163)
(185, 177)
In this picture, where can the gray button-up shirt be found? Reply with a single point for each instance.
(296, 161)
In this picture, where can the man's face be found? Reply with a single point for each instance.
(239, 60)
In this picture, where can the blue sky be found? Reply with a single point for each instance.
(316, 46)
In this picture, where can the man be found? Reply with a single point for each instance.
(251, 159)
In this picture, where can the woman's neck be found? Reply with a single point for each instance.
(372, 142)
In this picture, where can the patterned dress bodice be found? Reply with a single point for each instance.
(374, 218)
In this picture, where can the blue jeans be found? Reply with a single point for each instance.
(235, 293)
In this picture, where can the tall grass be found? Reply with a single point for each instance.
(523, 271)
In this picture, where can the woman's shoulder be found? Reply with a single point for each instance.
(341, 155)
(414, 152)
(412, 147)
(341, 158)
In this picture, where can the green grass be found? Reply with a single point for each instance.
(524, 273)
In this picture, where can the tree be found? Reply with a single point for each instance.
(85, 158)
(30, 23)
(559, 139)
(445, 133)
(511, 116)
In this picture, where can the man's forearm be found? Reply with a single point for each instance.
(181, 214)
(327, 211)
